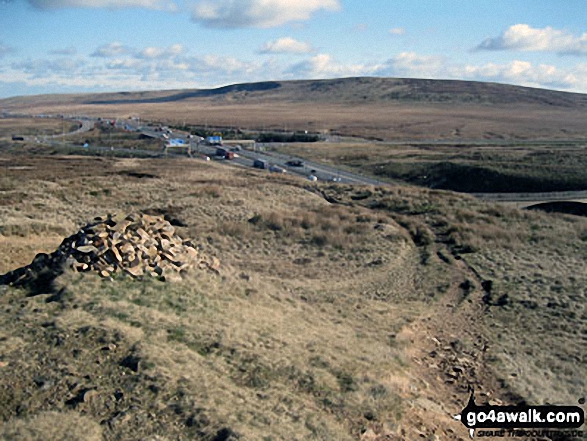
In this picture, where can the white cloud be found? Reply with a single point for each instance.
(519, 72)
(323, 66)
(98, 81)
(157, 52)
(124, 63)
(522, 37)
(111, 4)
(221, 65)
(116, 67)
(410, 64)
(285, 45)
(111, 50)
(397, 31)
(527, 74)
(257, 13)
(41, 67)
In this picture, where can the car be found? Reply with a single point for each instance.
(312, 178)
(259, 163)
(206, 158)
(336, 179)
(295, 163)
(277, 169)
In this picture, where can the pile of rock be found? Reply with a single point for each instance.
(137, 245)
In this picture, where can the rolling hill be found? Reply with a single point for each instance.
(384, 108)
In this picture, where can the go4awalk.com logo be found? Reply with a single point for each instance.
(521, 420)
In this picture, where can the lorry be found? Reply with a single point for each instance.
(225, 154)
(215, 139)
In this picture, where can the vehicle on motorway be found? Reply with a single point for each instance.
(221, 152)
(295, 163)
(312, 178)
(230, 155)
(17, 138)
(259, 163)
(206, 158)
(336, 179)
(215, 139)
(276, 169)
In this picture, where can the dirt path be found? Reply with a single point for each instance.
(450, 353)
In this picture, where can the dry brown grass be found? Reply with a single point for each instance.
(535, 262)
(312, 328)
(32, 127)
(294, 366)
(466, 166)
(382, 119)
(66, 426)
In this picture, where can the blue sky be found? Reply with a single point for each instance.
(56, 46)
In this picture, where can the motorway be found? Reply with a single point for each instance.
(321, 171)
(247, 157)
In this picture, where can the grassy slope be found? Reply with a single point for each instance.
(33, 127)
(364, 314)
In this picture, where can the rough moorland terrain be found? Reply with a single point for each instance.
(382, 108)
(338, 312)
(509, 167)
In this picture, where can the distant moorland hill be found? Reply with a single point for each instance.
(385, 108)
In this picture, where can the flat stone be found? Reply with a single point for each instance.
(144, 235)
(121, 226)
(133, 217)
(215, 263)
(135, 271)
(90, 395)
(152, 251)
(126, 248)
(87, 249)
(116, 254)
(150, 219)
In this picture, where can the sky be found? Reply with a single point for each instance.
(70, 46)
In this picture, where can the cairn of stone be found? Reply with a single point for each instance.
(137, 245)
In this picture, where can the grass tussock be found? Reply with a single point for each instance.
(330, 226)
(66, 426)
(311, 328)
